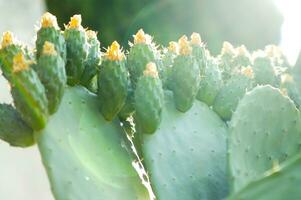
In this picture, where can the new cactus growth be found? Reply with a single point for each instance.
(51, 32)
(148, 100)
(185, 75)
(51, 71)
(141, 134)
(77, 49)
(112, 82)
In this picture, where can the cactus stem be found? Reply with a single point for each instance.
(142, 38)
(114, 52)
(49, 49)
(49, 20)
(151, 70)
(184, 46)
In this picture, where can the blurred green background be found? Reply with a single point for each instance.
(254, 23)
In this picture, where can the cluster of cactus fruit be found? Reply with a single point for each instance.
(153, 122)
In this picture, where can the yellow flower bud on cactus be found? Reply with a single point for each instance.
(142, 38)
(184, 46)
(151, 70)
(114, 52)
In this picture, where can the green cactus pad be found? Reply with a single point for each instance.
(77, 51)
(13, 129)
(265, 129)
(53, 35)
(210, 84)
(149, 100)
(290, 86)
(186, 157)
(85, 156)
(93, 61)
(282, 183)
(186, 79)
(51, 71)
(198, 52)
(112, 87)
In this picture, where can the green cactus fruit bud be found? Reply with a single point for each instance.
(13, 129)
(85, 156)
(281, 182)
(8, 50)
(264, 71)
(148, 100)
(210, 83)
(93, 60)
(185, 77)
(186, 157)
(168, 57)
(227, 60)
(112, 82)
(265, 128)
(28, 93)
(51, 71)
(141, 52)
(289, 87)
(229, 95)
(129, 106)
(50, 31)
(198, 51)
(242, 57)
(77, 50)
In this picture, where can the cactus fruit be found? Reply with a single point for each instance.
(148, 100)
(198, 51)
(186, 76)
(13, 129)
(229, 95)
(9, 48)
(51, 71)
(112, 82)
(264, 70)
(93, 59)
(28, 93)
(50, 31)
(211, 83)
(77, 49)
(129, 126)
(258, 140)
(142, 51)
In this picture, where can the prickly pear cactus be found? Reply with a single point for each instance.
(258, 142)
(153, 123)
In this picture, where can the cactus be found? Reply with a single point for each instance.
(77, 49)
(186, 76)
(229, 95)
(51, 71)
(113, 82)
(276, 132)
(126, 124)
